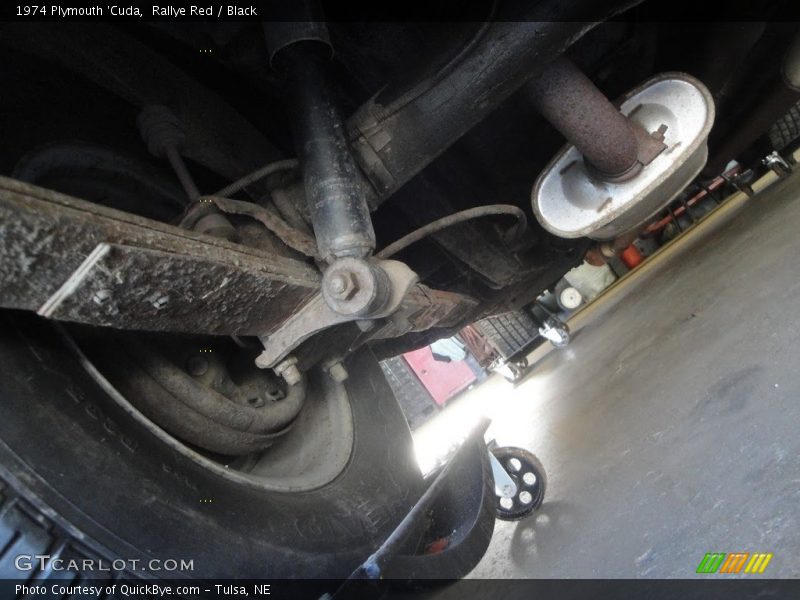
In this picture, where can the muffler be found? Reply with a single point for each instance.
(624, 164)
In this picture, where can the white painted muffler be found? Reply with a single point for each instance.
(571, 200)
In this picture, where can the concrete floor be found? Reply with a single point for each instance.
(670, 427)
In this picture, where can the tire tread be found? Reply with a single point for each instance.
(24, 529)
(509, 333)
(786, 129)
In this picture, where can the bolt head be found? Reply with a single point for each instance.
(337, 284)
(365, 325)
(342, 284)
(101, 296)
(161, 302)
(337, 372)
(291, 375)
(366, 288)
(287, 369)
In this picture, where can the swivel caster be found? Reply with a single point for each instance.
(520, 482)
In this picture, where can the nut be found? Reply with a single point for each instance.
(337, 284)
(161, 302)
(101, 296)
(336, 370)
(343, 284)
(365, 325)
(355, 287)
(287, 369)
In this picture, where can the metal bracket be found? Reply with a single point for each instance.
(504, 486)
(556, 331)
(316, 316)
(741, 181)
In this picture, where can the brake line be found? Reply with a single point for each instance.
(465, 215)
(265, 171)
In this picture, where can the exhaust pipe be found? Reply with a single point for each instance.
(394, 140)
(622, 165)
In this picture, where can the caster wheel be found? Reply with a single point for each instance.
(556, 331)
(563, 338)
(513, 371)
(530, 478)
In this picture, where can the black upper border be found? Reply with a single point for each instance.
(428, 11)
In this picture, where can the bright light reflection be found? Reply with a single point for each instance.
(509, 408)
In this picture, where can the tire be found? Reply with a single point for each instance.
(509, 333)
(79, 474)
(786, 129)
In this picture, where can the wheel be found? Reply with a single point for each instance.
(565, 338)
(556, 331)
(84, 473)
(530, 478)
(511, 371)
(560, 336)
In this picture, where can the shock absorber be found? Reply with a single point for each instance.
(301, 51)
(353, 283)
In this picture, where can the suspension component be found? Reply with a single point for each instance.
(354, 286)
(217, 401)
(339, 211)
(410, 306)
(351, 290)
(163, 133)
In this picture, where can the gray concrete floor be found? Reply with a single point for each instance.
(670, 426)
